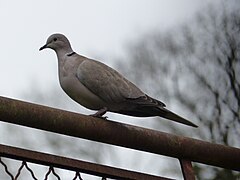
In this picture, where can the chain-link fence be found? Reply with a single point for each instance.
(29, 172)
(27, 163)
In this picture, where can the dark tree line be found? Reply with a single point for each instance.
(196, 68)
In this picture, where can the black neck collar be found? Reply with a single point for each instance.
(70, 54)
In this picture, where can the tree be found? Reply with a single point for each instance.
(197, 68)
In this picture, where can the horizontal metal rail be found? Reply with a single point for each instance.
(106, 131)
(72, 164)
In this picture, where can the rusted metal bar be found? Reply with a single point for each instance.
(187, 169)
(106, 131)
(73, 164)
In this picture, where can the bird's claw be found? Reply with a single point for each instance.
(100, 113)
(99, 116)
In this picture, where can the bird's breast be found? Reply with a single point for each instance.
(79, 93)
(74, 88)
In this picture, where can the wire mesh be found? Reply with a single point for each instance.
(54, 164)
(6, 169)
(25, 165)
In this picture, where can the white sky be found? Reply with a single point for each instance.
(95, 29)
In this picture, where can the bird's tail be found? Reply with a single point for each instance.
(146, 106)
(174, 117)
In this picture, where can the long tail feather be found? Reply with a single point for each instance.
(147, 106)
(174, 117)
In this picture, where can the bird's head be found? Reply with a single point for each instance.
(57, 42)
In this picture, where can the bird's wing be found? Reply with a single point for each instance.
(106, 83)
(147, 101)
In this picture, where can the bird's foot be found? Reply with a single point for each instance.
(101, 117)
(100, 113)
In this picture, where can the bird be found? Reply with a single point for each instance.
(99, 87)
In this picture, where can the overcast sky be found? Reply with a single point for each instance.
(95, 29)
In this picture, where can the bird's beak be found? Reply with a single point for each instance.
(43, 47)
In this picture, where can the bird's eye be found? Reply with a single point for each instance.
(55, 39)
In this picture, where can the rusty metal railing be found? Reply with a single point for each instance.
(82, 126)
(53, 161)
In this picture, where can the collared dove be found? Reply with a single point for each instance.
(99, 87)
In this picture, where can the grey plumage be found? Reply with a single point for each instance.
(99, 87)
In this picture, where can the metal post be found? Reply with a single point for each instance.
(187, 169)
